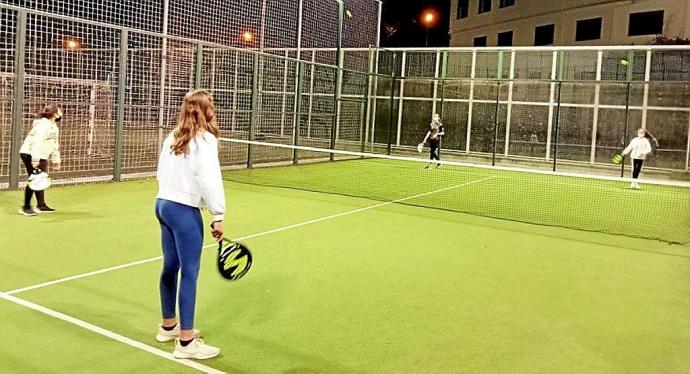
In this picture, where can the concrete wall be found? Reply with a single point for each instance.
(525, 15)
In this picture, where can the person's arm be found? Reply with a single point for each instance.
(647, 148)
(441, 131)
(654, 139)
(428, 134)
(39, 140)
(208, 174)
(55, 151)
(629, 148)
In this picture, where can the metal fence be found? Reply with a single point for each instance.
(542, 106)
(121, 87)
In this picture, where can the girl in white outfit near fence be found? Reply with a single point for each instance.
(638, 149)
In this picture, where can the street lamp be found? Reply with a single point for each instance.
(428, 19)
(71, 44)
(248, 37)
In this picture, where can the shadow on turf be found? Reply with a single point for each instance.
(63, 216)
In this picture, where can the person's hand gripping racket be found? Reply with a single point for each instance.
(217, 230)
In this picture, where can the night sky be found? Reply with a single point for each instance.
(402, 26)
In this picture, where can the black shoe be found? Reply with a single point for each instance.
(44, 209)
(27, 212)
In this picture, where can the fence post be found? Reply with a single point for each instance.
(392, 100)
(298, 112)
(555, 127)
(121, 91)
(499, 76)
(338, 77)
(498, 108)
(509, 106)
(597, 101)
(337, 95)
(254, 121)
(18, 98)
(199, 65)
(443, 76)
(470, 105)
(364, 113)
(401, 97)
(369, 106)
(163, 74)
(625, 126)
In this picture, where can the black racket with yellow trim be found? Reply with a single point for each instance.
(234, 260)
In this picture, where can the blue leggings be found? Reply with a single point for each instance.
(182, 236)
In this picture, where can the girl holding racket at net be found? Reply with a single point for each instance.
(638, 149)
(42, 144)
(434, 137)
(189, 178)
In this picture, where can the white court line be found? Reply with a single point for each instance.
(289, 227)
(79, 276)
(144, 347)
(108, 334)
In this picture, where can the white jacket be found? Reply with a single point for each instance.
(193, 179)
(638, 148)
(42, 143)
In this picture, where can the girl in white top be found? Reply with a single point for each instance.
(42, 144)
(434, 135)
(189, 178)
(638, 149)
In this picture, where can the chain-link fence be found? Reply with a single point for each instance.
(120, 73)
(120, 69)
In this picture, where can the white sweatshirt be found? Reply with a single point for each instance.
(638, 148)
(42, 142)
(193, 179)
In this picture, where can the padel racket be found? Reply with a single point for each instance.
(234, 260)
(39, 180)
(617, 159)
(420, 147)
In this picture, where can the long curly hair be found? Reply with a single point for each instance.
(197, 114)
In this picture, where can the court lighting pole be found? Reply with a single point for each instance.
(338, 76)
(164, 66)
(263, 26)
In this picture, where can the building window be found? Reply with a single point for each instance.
(480, 41)
(646, 23)
(506, 3)
(505, 39)
(463, 6)
(588, 29)
(543, 35)
(484, 6)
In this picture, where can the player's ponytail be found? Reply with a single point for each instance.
(197, 114)
(49, 111)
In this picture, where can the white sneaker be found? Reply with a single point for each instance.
(168, 336)
(196, 349)
(637, 186)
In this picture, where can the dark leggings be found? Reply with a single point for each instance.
(28, 192)
(435, 147)
(637, 167)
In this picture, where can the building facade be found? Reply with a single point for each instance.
(566, 22)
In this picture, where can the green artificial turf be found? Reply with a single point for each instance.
(394, 289)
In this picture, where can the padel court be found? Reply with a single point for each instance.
(347, 280)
